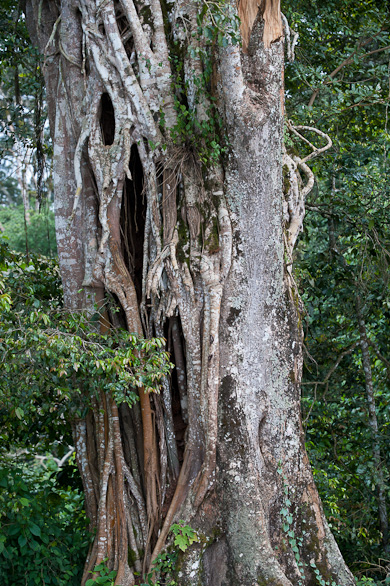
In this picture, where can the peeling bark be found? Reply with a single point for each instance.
(195, 251)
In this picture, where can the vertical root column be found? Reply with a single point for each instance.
(114, 523)
(115, 275)
(210, 367)
(80, 437)
(124, 575)
(118, 281)
(214, 271)
(202, 359)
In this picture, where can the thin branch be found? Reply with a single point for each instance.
(309, 355)
(347, 61)
(380, 356)
(311, 406)
(316, 151)
(335, 366)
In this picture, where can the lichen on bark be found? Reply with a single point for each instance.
(187, 234)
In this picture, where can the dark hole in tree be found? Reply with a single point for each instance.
(125, 32)
(79, 16)
(176, 346)
(107, 119)
(133, 216)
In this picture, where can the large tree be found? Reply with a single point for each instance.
(173, 196)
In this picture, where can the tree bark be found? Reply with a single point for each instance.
(373, 423)
(196, 241)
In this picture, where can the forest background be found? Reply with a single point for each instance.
(339, 82)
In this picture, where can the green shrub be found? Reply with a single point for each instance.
(44, 537)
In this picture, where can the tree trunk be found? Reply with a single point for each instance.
(190, 240)
(373, 423)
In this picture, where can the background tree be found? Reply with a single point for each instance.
(23, 145)
(340, 84)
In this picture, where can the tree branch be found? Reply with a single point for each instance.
(380, 356)
(316, 151)
(335, 366)
(347, 61)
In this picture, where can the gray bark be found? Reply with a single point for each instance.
(213, 246)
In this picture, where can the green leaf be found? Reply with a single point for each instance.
(22, 540)
(35, 530)
(19, 413)
(14, 529)
(181, 542)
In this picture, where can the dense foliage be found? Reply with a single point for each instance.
(40, 238)
(44, 537)
(51, 366)
(339, 84)
(52, 363)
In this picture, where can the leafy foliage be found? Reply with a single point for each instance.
(218, 23)
(53, 362)
(199, 126)
(165, 565)
(340, 84)
(44, 537)
(184, 536)
(41, 237)
(104, 577)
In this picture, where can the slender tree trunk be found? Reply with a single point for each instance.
(373, 423)
(22, 157)
(331, 226)
(192, 244)
(22, 163)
